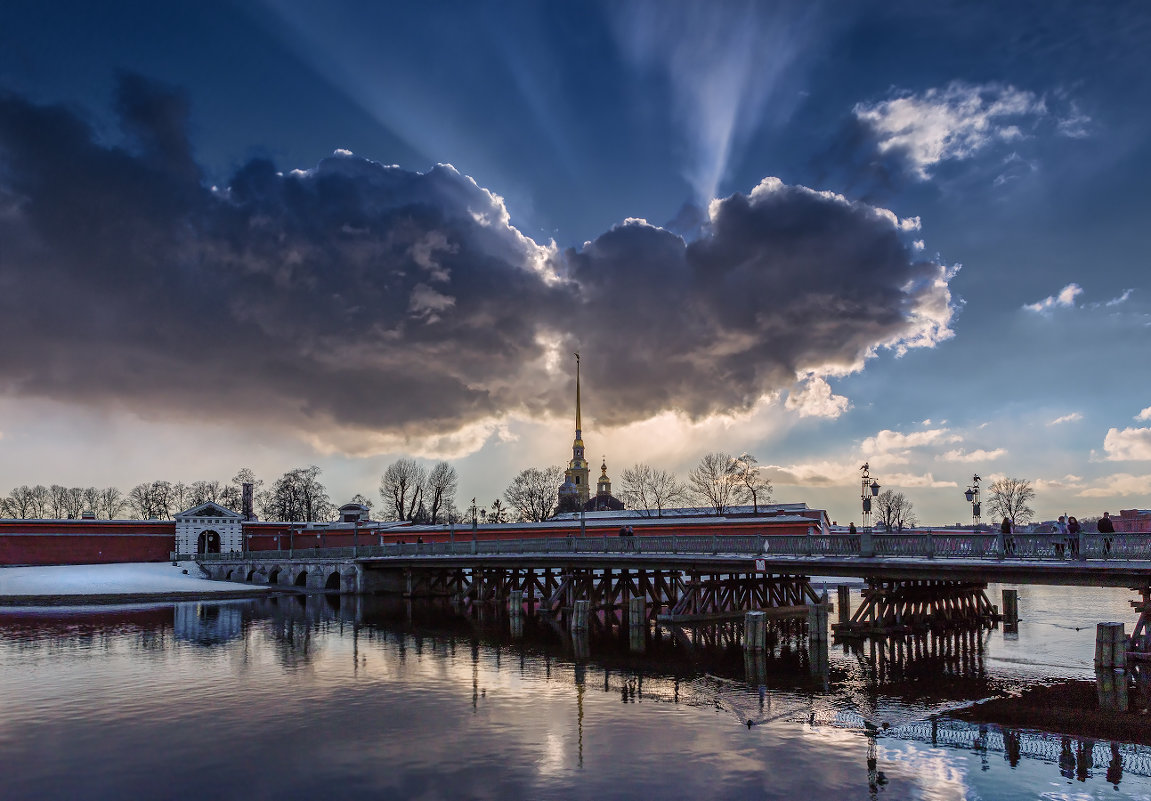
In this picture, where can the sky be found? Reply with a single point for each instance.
(272, 234)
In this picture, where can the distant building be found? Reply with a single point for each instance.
(603, 501)
(1133, 521)
(354, 513)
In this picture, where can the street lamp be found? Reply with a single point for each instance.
(869, 488)
(972, 495)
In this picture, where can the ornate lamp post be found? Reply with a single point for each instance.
(972, 495)
(869, 488)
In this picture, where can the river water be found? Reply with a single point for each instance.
(329, 697)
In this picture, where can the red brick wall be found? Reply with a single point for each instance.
(1133, 520)
(84, 542)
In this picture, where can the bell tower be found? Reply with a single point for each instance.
(577, 472)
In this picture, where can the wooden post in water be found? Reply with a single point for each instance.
(1110, 646)
(1111, 687)
(637, 623)
(1011, 607)
(754, 631)
(817, 620)
(516, 603)
(844, 604)
(637, 612)
(580, 615)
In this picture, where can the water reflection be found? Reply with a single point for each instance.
(427, 699)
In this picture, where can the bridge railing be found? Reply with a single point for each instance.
(922, 544)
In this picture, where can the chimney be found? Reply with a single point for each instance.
(247, 501)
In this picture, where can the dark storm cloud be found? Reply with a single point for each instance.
(362, 297)
(784, 281)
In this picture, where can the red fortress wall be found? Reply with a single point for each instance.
(85, 542)
(75, 542)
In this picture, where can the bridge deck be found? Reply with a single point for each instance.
(1007, 571)
(1122, 560)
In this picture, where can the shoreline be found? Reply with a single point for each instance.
(1069, 708)
(104, 599)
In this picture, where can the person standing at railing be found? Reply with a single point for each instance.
(1107, 529)
(1059, 540)
(1008, 539)
(1073, 530)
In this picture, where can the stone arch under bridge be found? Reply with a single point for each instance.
(328, 576)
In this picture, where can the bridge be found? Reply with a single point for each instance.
(914, 582)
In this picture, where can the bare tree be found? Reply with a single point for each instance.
(41, 500)
(402, 489)
(92, 500)
(231, 497)
(111, 504)
(181, 497)
(202, 492)
(151, 501)
(894, 511)
(362, 500)
(298, 495)
(140, 503)
(715, 482)
(57, 500)
(756, 486)
(1010, 498)
(73, 502)
(265, 503)
(498, 513)
(649, 491)
(21, 502)
(440, 491)
(232, 493)
(533, 493)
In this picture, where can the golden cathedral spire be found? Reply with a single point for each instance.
(577, 472)
(579, 426)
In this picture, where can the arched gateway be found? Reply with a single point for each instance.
(209, 528)
(208, 542)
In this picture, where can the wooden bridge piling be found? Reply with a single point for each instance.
(579, 620)
(754, 631)
(1110, 646)
(1011, 607)
(844, 603)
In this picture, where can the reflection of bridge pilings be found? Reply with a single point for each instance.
(928, 654)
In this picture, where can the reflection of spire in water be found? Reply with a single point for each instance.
(579, 716)
(475, 674)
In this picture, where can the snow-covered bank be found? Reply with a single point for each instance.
(132, 579)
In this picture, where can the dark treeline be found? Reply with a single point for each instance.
(407, 489)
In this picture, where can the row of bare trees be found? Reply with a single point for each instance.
(717, 483)
(1008, 498)
(296, 495)
(60, 502)
(411, 492)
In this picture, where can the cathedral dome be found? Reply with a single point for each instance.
(569, 498)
